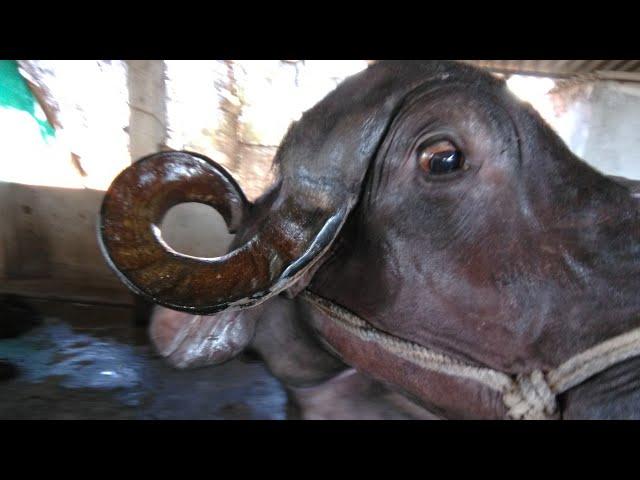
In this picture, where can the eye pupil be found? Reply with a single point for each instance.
(445, 162)
(440, 158)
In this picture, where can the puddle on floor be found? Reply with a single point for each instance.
(71, 367)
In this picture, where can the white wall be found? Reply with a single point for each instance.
(600, 122)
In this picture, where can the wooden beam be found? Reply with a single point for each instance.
(147, 106)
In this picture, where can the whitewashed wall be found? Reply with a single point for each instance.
(600, 121)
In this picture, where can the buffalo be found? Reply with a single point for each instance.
(430, 248)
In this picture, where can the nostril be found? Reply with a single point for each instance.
(196, 229)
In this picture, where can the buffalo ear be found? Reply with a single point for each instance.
(189, 341)
(305, 278)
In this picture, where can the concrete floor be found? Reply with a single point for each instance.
(91, 362)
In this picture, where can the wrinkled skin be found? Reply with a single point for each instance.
(519, 262)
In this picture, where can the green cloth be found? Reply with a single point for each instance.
(14, 93)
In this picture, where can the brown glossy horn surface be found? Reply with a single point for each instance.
(129, 233)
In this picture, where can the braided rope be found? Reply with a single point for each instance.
(527, 397)
(594, 360)
(408, 350)
(532, 399)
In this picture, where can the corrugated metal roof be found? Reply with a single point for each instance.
(613, 69)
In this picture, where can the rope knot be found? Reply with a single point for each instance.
(531, 398)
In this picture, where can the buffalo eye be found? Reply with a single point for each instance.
(440, 157)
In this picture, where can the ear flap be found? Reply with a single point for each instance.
(188, 340)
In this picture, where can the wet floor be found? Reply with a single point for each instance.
(92, 362)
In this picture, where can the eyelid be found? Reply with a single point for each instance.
(428, 151)
(435, 138)
(441, 146)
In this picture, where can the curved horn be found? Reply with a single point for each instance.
(136, 203)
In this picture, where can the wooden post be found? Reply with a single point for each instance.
(147, 105)
(147, 129)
